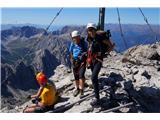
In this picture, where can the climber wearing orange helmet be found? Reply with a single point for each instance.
(45, 98)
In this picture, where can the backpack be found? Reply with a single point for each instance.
(103, 37)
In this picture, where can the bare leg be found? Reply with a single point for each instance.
(82, 79)
(33, 105)
(76, 91)
(31, 109)
(81, 83)
(77, 84)
(81, 87)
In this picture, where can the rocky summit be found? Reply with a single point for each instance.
(130, 77)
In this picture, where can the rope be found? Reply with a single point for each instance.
(145, 19)
(58, 13)
(120, 26)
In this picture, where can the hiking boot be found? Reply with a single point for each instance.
(81, 94)
(95, 103)
(76, 92)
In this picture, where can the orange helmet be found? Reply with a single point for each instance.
(41, 78)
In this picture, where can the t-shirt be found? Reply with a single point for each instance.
(49, 95)
(78, 49)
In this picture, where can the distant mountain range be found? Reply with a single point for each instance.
(134, 34)
(17, 41)
(9, 26)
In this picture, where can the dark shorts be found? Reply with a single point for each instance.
(39, 110)
(79, 72)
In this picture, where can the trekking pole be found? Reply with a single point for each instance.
(117, 108)
(79, 101)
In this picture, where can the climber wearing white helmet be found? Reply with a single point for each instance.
(99, 43)
(77, 51)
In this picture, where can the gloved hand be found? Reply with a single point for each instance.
(36, 100)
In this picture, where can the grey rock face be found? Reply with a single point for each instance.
(16, 84)
(45, 61)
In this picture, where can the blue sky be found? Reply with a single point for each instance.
(77, 16)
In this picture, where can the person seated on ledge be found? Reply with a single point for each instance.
(46, 97)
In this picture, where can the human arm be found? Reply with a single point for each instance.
(38, 93)
(71, 52)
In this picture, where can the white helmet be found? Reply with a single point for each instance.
(91, 25)
(75, 34)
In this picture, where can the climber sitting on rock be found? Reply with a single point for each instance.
(46, 97)
(77, 51)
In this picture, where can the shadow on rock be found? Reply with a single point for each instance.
(147, 98)
(63, 99)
